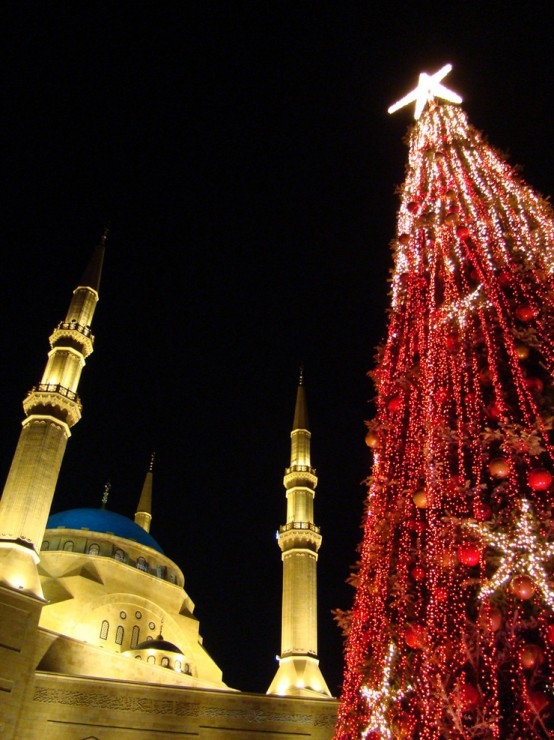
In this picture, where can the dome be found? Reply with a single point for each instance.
(105, 522)
(159, 644)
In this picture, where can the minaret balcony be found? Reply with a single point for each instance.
(299, 535)
(75, 335)
(300, 475)
(51, 399)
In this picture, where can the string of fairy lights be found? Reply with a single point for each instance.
(454, 580)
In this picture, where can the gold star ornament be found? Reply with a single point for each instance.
(428, 88)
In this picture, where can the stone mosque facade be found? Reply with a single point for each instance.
(98, 637)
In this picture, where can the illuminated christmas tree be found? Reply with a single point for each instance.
(452, 630)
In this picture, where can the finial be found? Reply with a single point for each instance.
(151, 466)
(301, 375)
(104, 236)
(428, 87)
(105, 494)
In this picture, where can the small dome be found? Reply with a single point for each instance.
(158, 644)
(104, 522)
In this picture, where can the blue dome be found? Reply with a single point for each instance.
(104, 521)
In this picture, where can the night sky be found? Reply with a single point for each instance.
(243, 158)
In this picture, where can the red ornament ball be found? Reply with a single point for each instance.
(531, 656)
(499, 467)
(418, 573)
(413, 206)
(493, 411)
(469, 555)
(525, 312)
(420, 498)
(539, 479)
(415, 636)
(394, 403)
(404, 239)
(523, 588)
(462, 232)
(468, 696)
(452, 342)
(522, 351)
(372, 439)
(481, 511)
(536, 385)
(490, 619)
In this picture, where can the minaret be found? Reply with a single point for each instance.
(299, 539)
(143, 514)
(51, 409)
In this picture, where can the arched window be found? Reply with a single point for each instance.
(138, 657)
(160, 571)
(119, 555)
(45, 545)
(68, 546)
(135, 636)
(171, 578)
(104, 629)
(142, 564)
(119, 635)
(177, 665)
(151, 659)
(165, 662)
(94, 549)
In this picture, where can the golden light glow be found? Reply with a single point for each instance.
(428, 87)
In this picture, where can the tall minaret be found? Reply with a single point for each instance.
(51, 409)
(143, 514)
(299, 539)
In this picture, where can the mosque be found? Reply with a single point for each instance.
(98, 636)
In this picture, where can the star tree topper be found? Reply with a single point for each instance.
(523, 553)
(428, 87)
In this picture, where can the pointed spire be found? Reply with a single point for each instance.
(301, 409)
(143, 514)
(93, 271)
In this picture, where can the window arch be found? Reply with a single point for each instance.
(151, 659)
(142, 564)
(45, 545)
(94, 549)
(68, 546)
(160, 571)
(104, 629)
(119, 635)
(135, 636)
(165, 662)
(119, 555)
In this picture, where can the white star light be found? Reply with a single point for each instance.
(524, 553)
(428, 87)
(379, 701)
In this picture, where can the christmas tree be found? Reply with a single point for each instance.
(452, 630)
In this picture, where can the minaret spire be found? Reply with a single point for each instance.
(299, 539)
(143, 514)
(51, 409)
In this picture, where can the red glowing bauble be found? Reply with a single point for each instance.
(490, 620)
(452, 342)
(499, 467)
(503, 278)
(404, 239)
(525, 312)
(523, 587)
(413, 206)
(534, 384)
(468, 697)
(372, 439)
(394, 403)
(493, 411)
(531, 656)
(481, 511)
(415, 525)
(418, 573)
(451, 218)
(522, 351)
(415, 636)
(539, 479)
(462, 232)
(539, 701)
(420, 498)
(469, 555)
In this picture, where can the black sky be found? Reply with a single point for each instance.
(242, 154)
